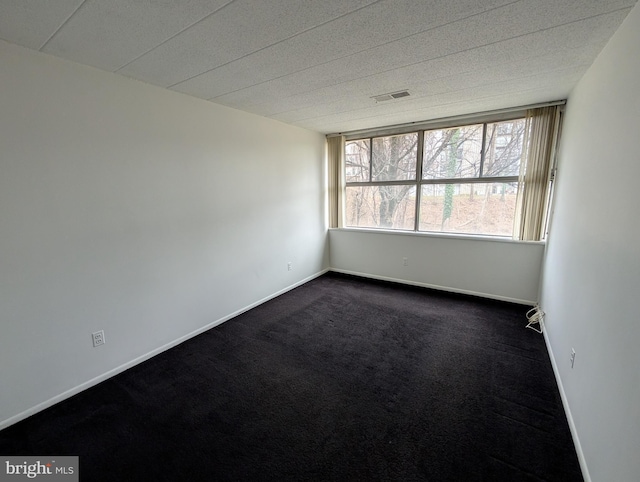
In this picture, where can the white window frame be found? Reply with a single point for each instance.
(420, 129)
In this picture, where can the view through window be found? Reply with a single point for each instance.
(455, 180)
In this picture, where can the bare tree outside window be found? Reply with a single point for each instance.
(464, 180)
(382, 159)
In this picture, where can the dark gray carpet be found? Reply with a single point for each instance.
(340, 379)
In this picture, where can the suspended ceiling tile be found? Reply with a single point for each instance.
(422, 95)
(539, 51)
(320, 86)
(109, 33)
(519, 74)
(31, 23)
(238, 30)
(318, 63)
(479, 30)
(379, 24)
(537, 88)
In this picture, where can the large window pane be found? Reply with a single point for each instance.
(390, 207)
(356, 159)
(503, 148)
(471, 208)
(394, 157)
(452, 153)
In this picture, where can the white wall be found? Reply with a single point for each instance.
(135, 210)
(493, 268)
(591, 280)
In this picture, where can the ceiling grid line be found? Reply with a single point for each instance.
(316, 64)
(308, 29)
(62, 25)
(470, 49)
(175, 35)
(421, 32)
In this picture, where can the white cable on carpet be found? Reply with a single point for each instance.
(535, 316)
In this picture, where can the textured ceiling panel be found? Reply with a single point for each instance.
(517, 71)
(477, 99)
(486, 29)
(31, 23)
(489, 28)
(453, 84)
(242, 28)
(546, 49)
(348, 35)
(317, 63)
(110, 33)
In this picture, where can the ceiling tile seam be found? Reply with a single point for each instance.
(444, 76)
(367, 49)
(62, 25)
(175, 35)
(441, 77)
(445, 55)
(425, 60)
(308, 29)
(407, 101)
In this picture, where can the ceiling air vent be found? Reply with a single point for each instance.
(390, 96)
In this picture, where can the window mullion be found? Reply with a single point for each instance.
(471, 180)
(420, 153)
(482, 149)
(382, 183)
(370, 159)
(383, 199)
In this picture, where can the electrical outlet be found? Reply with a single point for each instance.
(98, 338)
(405, 262)
(289, 266)
(572, 357)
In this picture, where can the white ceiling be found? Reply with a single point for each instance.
(317, 63)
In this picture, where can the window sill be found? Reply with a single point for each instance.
(472, 237)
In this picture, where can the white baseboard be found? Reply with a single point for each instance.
(105, 376)
(567, 409)
(436, 287)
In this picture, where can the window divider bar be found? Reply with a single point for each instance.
(417, 182)
(471, 180)
(408, 182)
(482, 149)
(419, 157)
(455, 180)
(370, 158)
